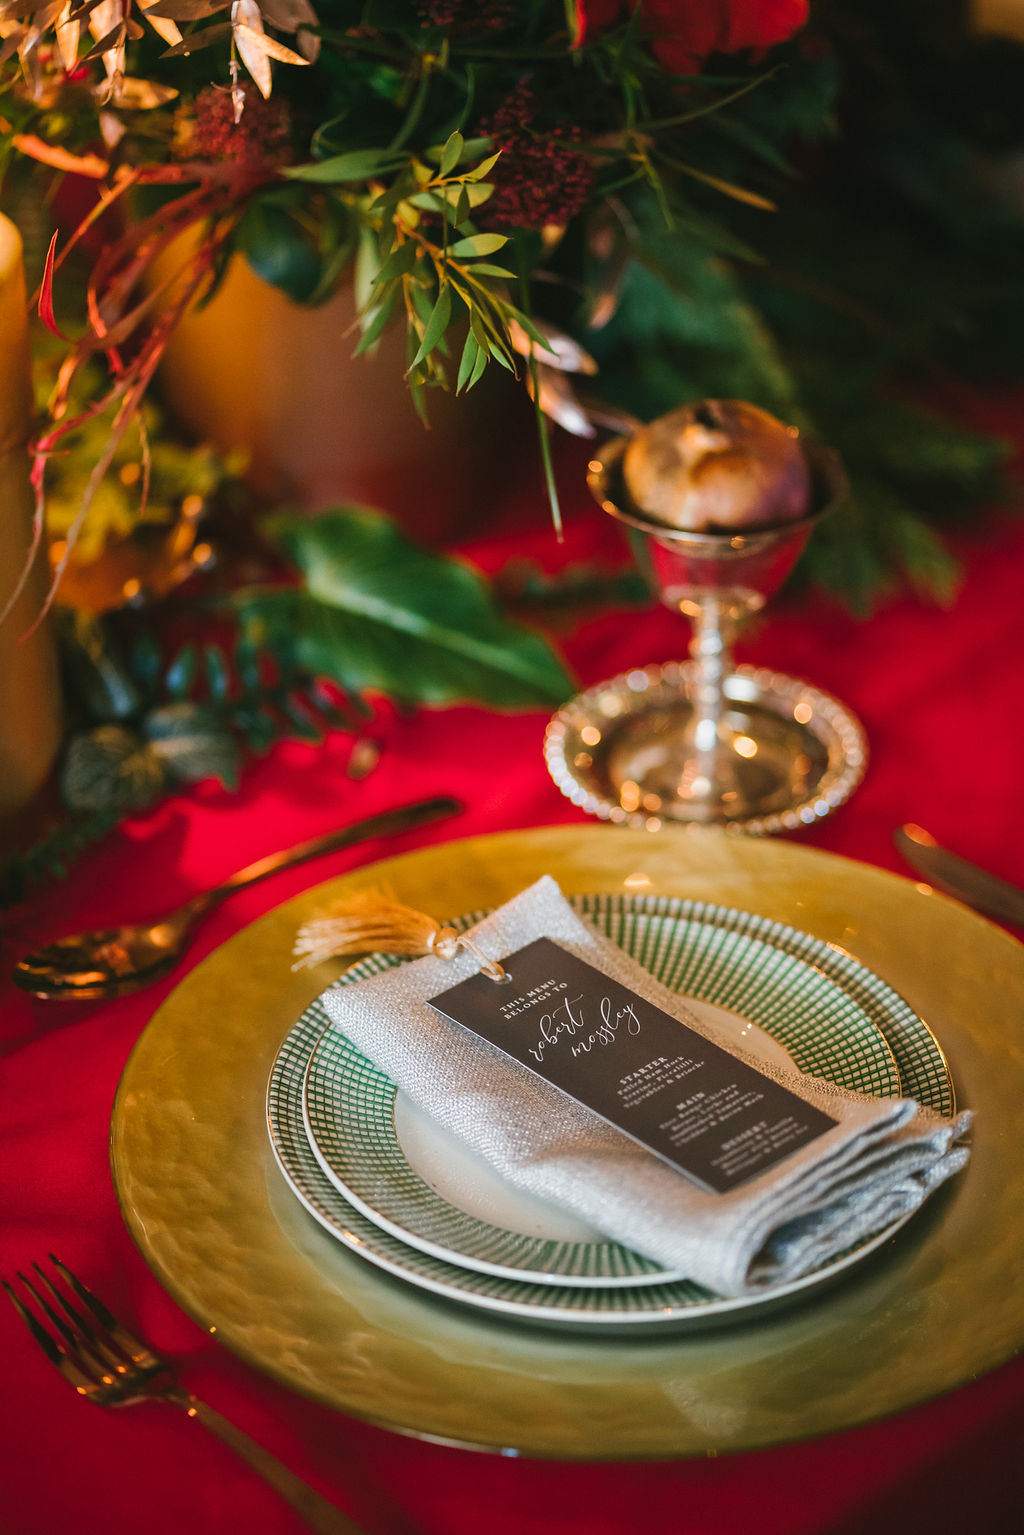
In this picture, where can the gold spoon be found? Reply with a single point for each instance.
(115, 960)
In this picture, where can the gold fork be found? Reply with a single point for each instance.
(107, 1364)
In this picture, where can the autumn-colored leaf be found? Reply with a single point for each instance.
(161, 25)
(185, 10)
(142, 95)
(730, 189)
(61, 159)
(46, 313)
(197, 40)
(247, 34)
(289, 15)
(68, 34)
(266, 44)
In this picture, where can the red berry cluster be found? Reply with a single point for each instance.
(464, 16)
(261, 137)
(539, 179)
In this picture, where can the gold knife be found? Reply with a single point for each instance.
(956, 876)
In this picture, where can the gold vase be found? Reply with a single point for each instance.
(253, 371)
(30, 700)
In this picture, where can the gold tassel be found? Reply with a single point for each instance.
(364, 923)
(373, 921)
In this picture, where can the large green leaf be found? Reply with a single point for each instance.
(276, 246)
(377, 612)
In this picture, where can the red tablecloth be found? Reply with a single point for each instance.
(939, 693)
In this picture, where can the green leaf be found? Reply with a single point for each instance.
(452, 198)
(259, 727)
(470, 353)
(488, 269)
(423, 300)
(247, 660)
(404, 189)
(218, 674)
(536, 335)
(181, 672)
(478, 370)
(460, 194)
(305, 726)
(418, 395)
(478, 245)
(380, 613)
(276, 246)
(145, 661)
(401, 260)
(500, 355)
(480, 171)
(470, 147)
(373, 332)
(902, 545)
(355, 165)
(931, 569)
(338, 262)
(436, 326)
(433, 202)
(479, 329)
(452, 154)
(364, 269)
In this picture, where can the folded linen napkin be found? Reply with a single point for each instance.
(878, 1163)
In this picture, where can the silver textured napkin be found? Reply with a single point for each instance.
(878, 1164)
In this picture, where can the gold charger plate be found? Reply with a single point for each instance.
(940, 1304)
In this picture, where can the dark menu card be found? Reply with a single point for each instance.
(693, 1104)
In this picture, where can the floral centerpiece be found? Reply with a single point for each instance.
(625, 203)
(639, 189)
(443, 151)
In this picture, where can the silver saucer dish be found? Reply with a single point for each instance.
(610, 750)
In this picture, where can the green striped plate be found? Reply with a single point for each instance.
(350, 1105)
(832, 1015)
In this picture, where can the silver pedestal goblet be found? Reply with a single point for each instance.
(706, 741)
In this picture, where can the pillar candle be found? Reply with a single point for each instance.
(30, 712)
